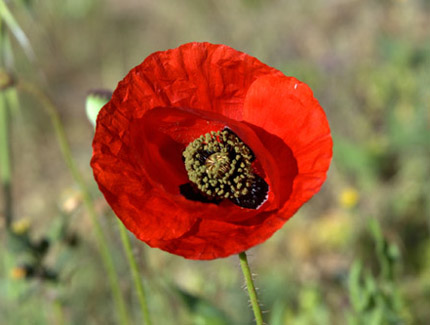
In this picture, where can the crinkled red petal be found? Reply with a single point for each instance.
(172, 98)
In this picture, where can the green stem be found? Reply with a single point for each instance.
(251, 288)
(135, 272)
(100, 236)
(5, 154)
(5, 159)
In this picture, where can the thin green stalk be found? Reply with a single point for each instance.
(67, 155)
(251, 288)
(5, 159)
(5, 154)
(13, 25)
(135, 272)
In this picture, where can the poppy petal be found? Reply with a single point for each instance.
(174, 97)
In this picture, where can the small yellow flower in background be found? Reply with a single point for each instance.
(18, 272)
(349, 197)
(21, 226)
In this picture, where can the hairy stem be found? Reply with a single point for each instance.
(251, 288)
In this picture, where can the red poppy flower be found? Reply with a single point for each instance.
(204, 151)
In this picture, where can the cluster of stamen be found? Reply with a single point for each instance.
(219, 164)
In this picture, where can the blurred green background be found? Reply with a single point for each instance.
(357, 253)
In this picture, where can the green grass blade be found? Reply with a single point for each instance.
(16, 30)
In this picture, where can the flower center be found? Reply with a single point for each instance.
(219, 164)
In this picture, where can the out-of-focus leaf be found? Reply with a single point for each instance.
(383, 303)
(277, 313)
(386, 262)
(203, 312)
(18, 243)
(357, 296)
(370, 285)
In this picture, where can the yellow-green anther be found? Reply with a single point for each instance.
(219, 164)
